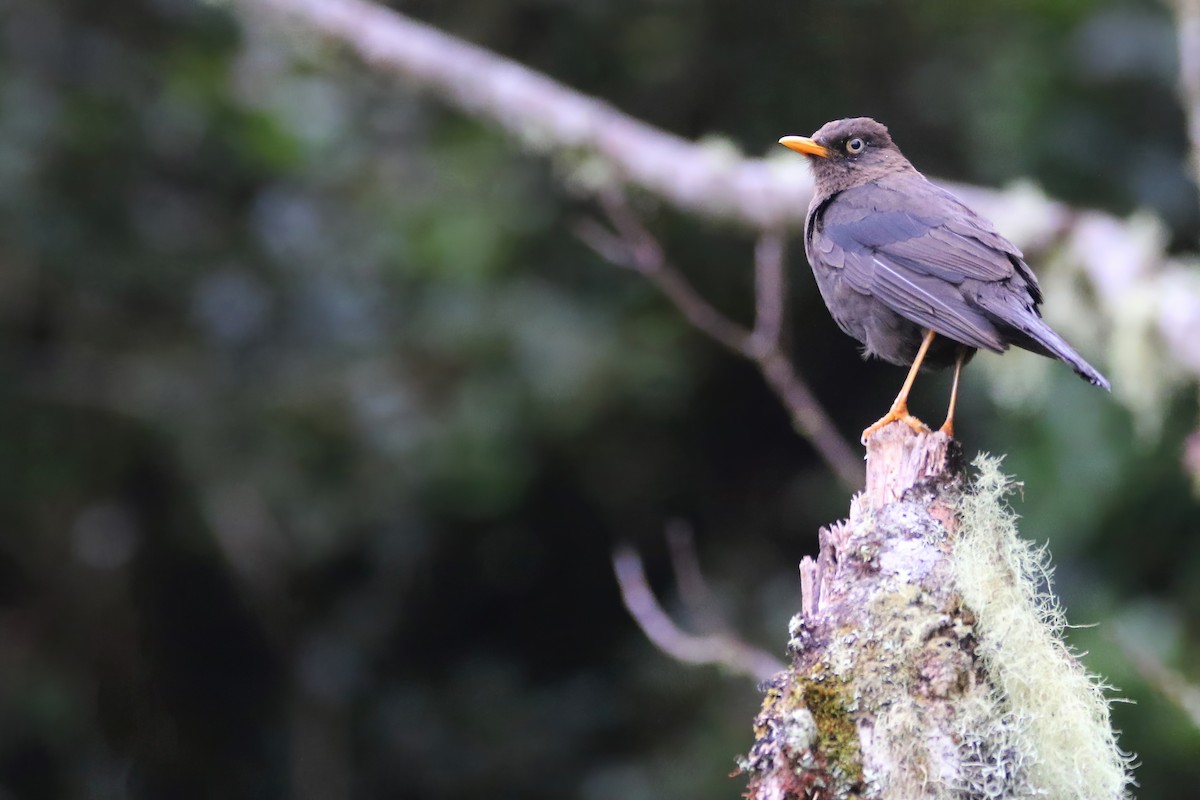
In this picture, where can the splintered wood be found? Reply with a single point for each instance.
(881, 652)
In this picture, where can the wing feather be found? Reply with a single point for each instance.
(920, 299)
(915, 257)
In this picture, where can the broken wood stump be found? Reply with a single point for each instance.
(927, 660)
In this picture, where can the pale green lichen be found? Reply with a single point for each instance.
(907, 656)
(1050, 717)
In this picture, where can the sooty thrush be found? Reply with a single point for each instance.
(910, 271)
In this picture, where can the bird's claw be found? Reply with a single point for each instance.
(899, 414)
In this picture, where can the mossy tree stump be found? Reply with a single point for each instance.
(903, 681)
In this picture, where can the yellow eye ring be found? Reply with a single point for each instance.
(855, 146)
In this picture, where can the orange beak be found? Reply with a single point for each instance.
(805, 145)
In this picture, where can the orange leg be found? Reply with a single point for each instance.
(899, 410)
(948, 426)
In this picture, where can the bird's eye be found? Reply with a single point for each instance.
(855, 146)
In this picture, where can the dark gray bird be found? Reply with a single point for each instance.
(909, 271)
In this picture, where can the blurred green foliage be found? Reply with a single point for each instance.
(320, 424)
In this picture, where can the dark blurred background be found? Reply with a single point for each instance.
(319, 424)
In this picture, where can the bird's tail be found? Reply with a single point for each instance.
(1030, 332)
(1048, 343)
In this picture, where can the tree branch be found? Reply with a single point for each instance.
(1119, 258)
(633, 246)
(720, 649)
(693, 588)
(646, 256)
(770, 292)
(548, 116)
(767, 347)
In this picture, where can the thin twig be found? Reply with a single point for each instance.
(694, 590)
(604, 243)
(634, 247)
(646, 256)
(718, 649)
(767, 346)
(770, 290)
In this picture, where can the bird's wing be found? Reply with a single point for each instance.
(912, 249)
(966, 225)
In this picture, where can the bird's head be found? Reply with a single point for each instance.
(849, 152)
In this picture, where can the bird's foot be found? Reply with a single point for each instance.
(897, 413)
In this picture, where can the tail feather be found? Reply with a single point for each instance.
(1026, 329)
(1042, 339)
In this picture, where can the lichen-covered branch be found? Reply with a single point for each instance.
(1150, 302)
(928, 660)
(548, 116)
